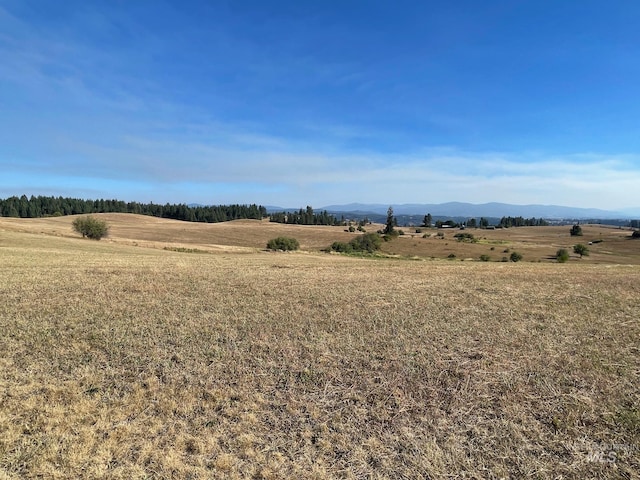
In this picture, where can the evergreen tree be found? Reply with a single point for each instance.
(390, 224)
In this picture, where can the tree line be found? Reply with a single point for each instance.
(507, 222)
(306, 217)
(40, 206)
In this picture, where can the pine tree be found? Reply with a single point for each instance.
(391, 221)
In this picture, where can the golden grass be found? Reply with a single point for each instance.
(127, 362)
(536, 244)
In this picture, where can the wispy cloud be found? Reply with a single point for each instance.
(284, 170)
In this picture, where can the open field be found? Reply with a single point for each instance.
(124, 361)
(536, 244)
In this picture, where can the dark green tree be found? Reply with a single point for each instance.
(426, 222)
(576, 231)
(390, 224)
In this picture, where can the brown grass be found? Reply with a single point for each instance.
(140, 230)
(536, 244)
(127, 362)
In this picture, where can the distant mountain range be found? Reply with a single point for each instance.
(493, 210)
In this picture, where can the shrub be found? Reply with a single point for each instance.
(352, 228)
(361, 228)
(341, 247)
(465, 237)
(283, 243)
(576, 231)
(369, 242)
(581, 249)
(91, 227)
(387, 237)
(635, 234)
(505, 259)
(484, 257)
(515, 257)
(451, 256)
(562, 255)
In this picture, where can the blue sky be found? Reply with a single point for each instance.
(322, 102)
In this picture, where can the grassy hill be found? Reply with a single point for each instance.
(121, 359)
(535, 243)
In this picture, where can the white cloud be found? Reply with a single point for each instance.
(290, 174)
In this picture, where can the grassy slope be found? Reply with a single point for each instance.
(535, 243)
(125, 362)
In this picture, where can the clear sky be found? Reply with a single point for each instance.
(321, 102)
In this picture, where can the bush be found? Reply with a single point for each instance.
(91, 227)
(341, 247)
(389, 236)
(369, 242)
(562, 255)
(451, 256)
(465, 237)
(581, 250)
(515, 257)
(283, 243)
(484, 257)
(635, 234)
(576, 231)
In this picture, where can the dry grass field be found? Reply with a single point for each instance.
(536, 244)
(122, 360)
